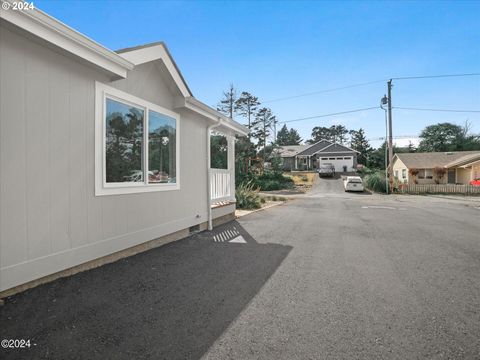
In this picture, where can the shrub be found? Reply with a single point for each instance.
(376, 182)
(274, 181)
(247, 196)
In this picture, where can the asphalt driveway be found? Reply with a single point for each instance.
(340, 277)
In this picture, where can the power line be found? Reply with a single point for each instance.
(368, 83)
(323, 91)
(434, 76)
(440, 110)
(332, 114)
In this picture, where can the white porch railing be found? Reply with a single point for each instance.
(221, 185)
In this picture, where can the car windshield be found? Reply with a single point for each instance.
(357, 181)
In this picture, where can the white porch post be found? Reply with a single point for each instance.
(296, 163)
(231, 165)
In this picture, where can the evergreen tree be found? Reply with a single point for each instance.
(335, 133)
(288, 137)
(246, 105)
(359, 142)
(320, 133)
(264, 120)
(295, 138)
(227, 103)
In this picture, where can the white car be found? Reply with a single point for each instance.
(353, 183)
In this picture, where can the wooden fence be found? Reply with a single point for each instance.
(439, 189)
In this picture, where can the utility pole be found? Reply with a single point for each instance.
(390, 136)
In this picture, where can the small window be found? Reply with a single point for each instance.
(396, 174)
(304, 160)
(340, 158)
(428, 174)
(404, 173)
(347, 158)
(421, 173)
(331, 158)
(324, 158)
(161, 148)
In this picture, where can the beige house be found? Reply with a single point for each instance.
(460, 167)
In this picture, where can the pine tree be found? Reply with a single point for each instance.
(288, 137)
(359, 142)
(246, 105)
(295, 138)
(264, 120)
(227, 104)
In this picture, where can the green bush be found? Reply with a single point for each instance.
(270, 180)
(247, 196)
(375, 181)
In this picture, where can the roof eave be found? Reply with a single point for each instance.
(199, 107)
(57, 33)
(157, 51)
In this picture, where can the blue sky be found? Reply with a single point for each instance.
(281, 49)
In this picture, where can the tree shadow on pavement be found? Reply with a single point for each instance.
(171, 302)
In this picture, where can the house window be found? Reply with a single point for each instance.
(218, 151)
(396, 174)
(404, 173)
(425, 174)
(304, 160)
(137, 144)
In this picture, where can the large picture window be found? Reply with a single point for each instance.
(137, 144)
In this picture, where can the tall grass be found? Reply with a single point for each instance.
(247, 196)
(375, 181)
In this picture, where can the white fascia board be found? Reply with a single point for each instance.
(197, 106)
(57, 33)
(157, 52)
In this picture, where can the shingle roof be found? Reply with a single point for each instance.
(465, 159)
(291, 150)
(312, 149)
(432, 159)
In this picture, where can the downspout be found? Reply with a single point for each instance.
(209, 174)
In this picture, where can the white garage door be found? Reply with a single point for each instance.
(339, 162)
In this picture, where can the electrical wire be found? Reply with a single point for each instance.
(368, 83)
(434, 76)
(331, 114)
(440, 110)
(324, 91)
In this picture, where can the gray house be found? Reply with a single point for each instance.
(311, 157)
(103, 154)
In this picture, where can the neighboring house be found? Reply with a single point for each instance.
(103, 154)
(310, 157)
(460, 167)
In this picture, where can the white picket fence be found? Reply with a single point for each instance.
(439, 189)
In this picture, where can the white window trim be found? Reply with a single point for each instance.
(103, 91)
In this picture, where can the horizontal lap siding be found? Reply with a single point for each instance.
(50, 218)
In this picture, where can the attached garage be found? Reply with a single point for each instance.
(341, 163)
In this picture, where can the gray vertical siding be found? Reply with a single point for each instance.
(50, 218)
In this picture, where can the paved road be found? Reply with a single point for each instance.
(324, 277)
(367, 278)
